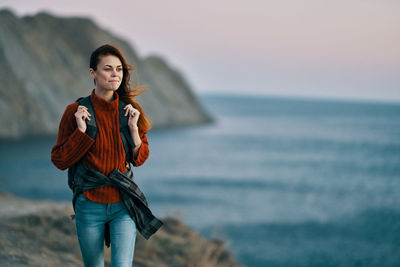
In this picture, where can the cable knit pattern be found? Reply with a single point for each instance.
(143, 152)
(105, 154)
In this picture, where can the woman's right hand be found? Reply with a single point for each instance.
(81, 115)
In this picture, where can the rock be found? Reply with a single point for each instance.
(45, 67)
(41, 233)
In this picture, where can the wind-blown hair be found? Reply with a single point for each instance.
(124, 91)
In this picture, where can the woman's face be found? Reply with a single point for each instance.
(108, 75)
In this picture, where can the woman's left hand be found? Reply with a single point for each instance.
(133, 116)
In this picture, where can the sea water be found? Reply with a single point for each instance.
(283, 181)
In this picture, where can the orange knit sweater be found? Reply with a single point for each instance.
(104, 154)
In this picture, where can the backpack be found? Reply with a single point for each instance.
(91, 130)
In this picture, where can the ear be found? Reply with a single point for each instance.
(92, 73)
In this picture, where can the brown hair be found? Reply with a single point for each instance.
(124, 91)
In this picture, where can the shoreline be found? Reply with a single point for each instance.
(41, 233)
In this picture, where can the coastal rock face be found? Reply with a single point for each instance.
(45, 67)
(41, 233)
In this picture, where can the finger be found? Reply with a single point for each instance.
(85, 117)
(84, 112)
(130, 111)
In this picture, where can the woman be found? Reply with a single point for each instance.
(105, 206)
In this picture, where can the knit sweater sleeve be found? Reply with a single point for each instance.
(72, 144)
(143, 152)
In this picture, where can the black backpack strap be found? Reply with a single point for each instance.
(123, 124)
(91, 124)
(91, 130)
(124, 130)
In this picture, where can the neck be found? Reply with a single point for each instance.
(104, 94)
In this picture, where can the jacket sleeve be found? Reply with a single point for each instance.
(72, 144)
(143, 152)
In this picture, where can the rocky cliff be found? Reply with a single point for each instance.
(41, 233)
(45, 67)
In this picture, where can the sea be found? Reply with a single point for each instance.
(282, 181)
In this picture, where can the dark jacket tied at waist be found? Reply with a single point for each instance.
(133, 198)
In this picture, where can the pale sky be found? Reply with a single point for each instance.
(332, 49)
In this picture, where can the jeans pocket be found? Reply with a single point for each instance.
(83, 204)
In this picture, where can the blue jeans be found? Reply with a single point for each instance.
(90, 218)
